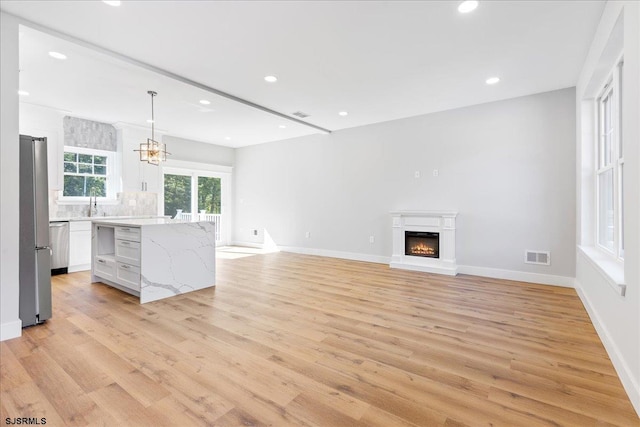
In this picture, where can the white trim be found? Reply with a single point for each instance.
(622, 369)
(111, 178)
(436, 269)
(9, 330)
(520, 276)
(611, 270)
(246, 244)
(354, 256)
(196, 166)
(80, 267)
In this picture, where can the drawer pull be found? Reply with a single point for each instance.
(125, 229)
(101, 261)
(125, 243)
(125, 266)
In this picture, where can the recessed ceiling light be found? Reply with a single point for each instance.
(57, 55)
(282, 127)
(493, 80)
(205, 102)
(23, 93)
(467, 6)
(271, 79)
(112, 2)
(227, 138)
(343, 113)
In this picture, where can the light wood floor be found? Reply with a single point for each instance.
(294, 340)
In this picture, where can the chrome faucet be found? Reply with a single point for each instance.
(93, 207)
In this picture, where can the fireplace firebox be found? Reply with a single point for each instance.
(424, 244)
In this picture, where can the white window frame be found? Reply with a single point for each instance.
(111, 176)
(194, 170)
(613, 90)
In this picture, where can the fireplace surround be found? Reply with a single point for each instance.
(425, 241)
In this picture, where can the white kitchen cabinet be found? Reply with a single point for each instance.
(105, 266)
(154, 258)
(128, 276)
(117, 256)
(79, 246)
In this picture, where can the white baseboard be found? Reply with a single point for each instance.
(76, 268)
(9, 330)
(520, 276)
(337, 254)
(247, 244)
(425, 268)
(629, 383)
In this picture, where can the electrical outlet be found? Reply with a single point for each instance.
(436, 172)
(307, 234)
(254, 232)
(416, 174)
(372, 239)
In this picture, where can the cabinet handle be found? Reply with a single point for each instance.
(101, 261)
(125, 266)
(125, 243)
(125, 229)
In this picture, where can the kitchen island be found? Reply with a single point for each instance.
(153, 258)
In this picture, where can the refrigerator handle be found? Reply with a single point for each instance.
(40, 248)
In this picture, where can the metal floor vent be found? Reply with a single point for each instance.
(300, 114)
(537, 257)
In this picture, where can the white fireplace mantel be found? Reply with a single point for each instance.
(442, 222)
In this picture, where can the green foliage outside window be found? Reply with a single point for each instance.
(81, 186)
(84, 175)
(177, 194)
(209, 194)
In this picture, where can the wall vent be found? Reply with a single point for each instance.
(537, 257)
(300, 114)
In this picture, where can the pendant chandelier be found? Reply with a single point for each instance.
(152, 151)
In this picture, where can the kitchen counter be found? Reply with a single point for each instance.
(137, 222)
(100, 218)
(153, 258)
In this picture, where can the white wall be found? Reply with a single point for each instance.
(507, 166)
(10, 324)
(616, 318)
(200, 152)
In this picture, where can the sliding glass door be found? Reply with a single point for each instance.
(196, 196)
(177, 194)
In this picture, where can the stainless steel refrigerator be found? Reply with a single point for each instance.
(35, 251)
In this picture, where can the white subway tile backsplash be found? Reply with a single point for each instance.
(128, 204)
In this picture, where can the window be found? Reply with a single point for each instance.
(87, 172)
(610, 167)
(197, 195)
(189, 192)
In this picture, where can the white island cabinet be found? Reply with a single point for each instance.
(153, 258)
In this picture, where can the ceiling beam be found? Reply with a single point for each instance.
(161, 71)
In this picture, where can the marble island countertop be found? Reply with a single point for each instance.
(101, 218)
(137, 222)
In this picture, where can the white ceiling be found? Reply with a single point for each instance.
(377, 60)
